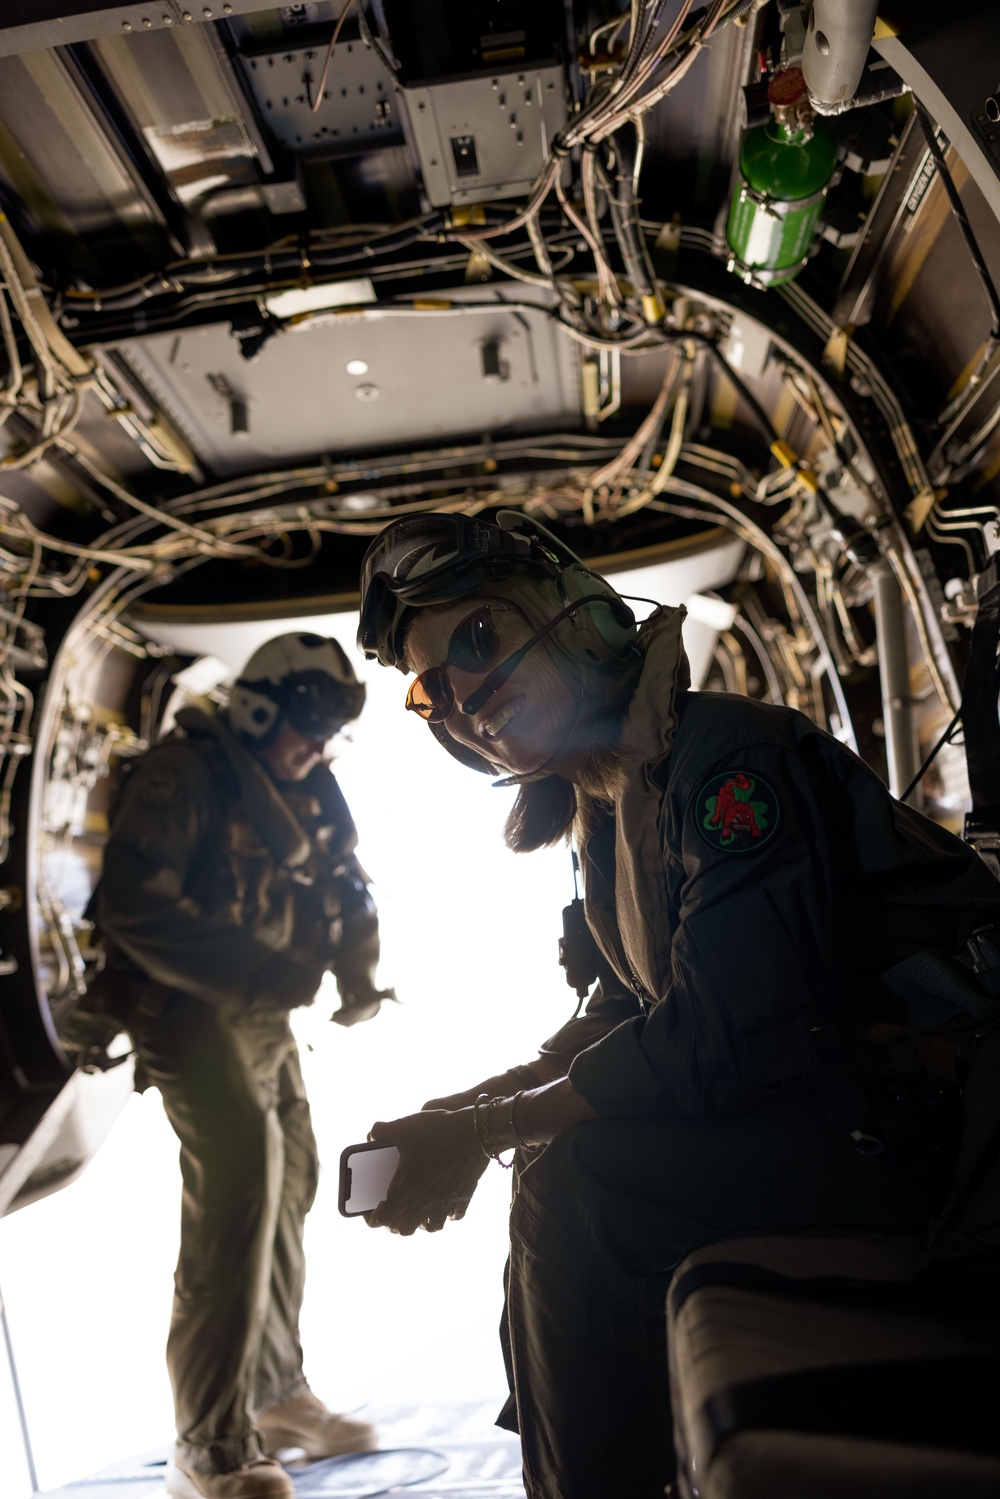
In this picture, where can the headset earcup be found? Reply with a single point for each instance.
(252, 714)
(612, 628)
(623, 616)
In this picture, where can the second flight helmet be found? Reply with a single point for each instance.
(301, 679)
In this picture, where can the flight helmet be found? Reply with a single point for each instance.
(302, 679)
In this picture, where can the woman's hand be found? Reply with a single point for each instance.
(440, 1163)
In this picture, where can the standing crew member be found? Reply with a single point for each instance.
(230, 886)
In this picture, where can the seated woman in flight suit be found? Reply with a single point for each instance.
(757, 891)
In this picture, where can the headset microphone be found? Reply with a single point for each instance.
(499, 674)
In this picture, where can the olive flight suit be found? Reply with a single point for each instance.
(758, 893)
(223, 899)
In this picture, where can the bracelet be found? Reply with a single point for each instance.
(494, 1151)
(482, 1119)
(513, 1127)
(477, 1124)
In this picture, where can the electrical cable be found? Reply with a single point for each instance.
(944, 739)
(759, 538)
(325, 73)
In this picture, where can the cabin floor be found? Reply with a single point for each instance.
(432, 1451)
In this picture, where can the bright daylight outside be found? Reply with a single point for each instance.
(469, 940)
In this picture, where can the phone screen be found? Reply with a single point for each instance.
(365, 1174)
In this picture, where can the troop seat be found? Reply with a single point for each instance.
(812, 1368)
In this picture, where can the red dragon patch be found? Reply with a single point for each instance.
(737, 811)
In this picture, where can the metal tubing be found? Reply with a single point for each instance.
(838, 36)
(877, 86)
(894, 677)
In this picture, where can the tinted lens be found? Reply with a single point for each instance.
(431, 696)
(473, 647)
(318, 707)
(474, 643)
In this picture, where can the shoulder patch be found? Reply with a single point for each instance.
(159, 786)
(737, 812)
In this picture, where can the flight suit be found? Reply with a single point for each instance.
(759, 894)
(223, 899)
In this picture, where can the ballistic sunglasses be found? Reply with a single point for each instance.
(473, 647)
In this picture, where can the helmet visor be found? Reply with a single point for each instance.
(316, 705)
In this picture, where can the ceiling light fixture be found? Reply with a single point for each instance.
(300, 299)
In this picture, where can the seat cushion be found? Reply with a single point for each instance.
(785, 1350)
(795, 1465)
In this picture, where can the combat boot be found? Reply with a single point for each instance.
(306, 1423)
(261, 1479)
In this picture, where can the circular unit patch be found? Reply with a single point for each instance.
(737, 812)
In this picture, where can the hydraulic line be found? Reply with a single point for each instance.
(894, 675)
(741, 523)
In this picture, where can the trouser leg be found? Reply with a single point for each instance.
(279, 1375)
(586, 1341)
(218, 1081)
(599, 1221)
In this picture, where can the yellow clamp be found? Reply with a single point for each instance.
(653, 308)
(788, 459)
(467, 216)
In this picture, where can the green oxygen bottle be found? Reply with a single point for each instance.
(786, 168)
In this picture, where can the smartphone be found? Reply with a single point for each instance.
(365, 1173)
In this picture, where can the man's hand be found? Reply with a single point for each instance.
(357, 1007)
(440, 1163)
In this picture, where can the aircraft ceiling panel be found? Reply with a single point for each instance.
(181, 102)
(358, 107)
(55, 154)
(495, 369)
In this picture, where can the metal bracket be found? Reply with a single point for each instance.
(31, 25)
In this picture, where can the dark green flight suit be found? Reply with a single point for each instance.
(223, 899)
(754, 887)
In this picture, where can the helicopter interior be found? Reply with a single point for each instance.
(271, 277)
